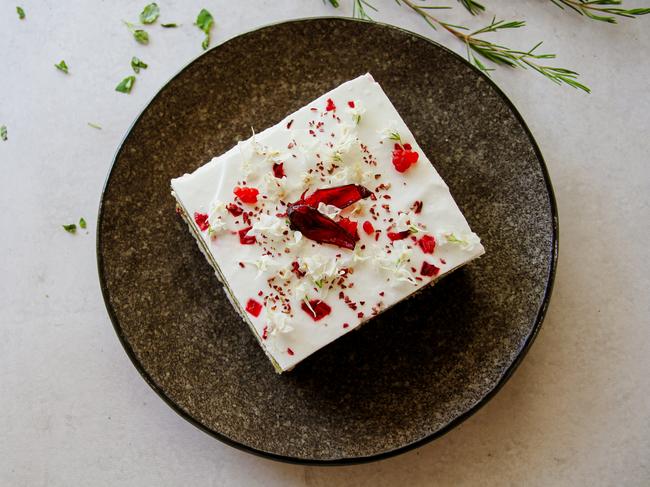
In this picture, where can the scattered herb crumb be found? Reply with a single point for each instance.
(94, 125)
(82, 223)
(3, 132)
(126, 85)
(62, 66)
(139, 35)
(71, 228)
(137, 63)
(21, 13)
(150, 13)
(204, 21)
(169, 25)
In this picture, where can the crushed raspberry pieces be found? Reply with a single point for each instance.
(246, 239)
(417, 207)
(246, 195)
(330, 105)
(398, 235)
(368, 228)
(278, 170)
(290, 123)
(265, 333)
(349, 226)
(345, 325)
(289, 351)
(429, 270)
(234, 210)
(404, 157)
(351, 104)
(201, 220)
(253, 307)
(320, 309)
(295, 268)
(428, 244)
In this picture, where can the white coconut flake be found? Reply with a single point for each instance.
(263, 264)
(329, 211)
(467, 241)
(269, 226)
(277, 323)
(216, 217)
(396, 263)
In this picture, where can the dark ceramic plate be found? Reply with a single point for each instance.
(411, 374)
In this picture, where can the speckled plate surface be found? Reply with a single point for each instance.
(407, 376)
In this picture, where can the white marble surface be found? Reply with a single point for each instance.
(74, 411)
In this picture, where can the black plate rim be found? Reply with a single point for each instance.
(346, 460)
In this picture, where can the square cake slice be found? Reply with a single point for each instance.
(321, 222)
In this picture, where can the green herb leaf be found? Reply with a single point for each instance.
(141, 36)
(204, 21)
(171, 24)
(3, 132)
(71, 228)
(335, 3)
(21, 13)
(82, 222)
(62, 66)
(136, 64)
(94, 125)
(125, 85)
(150, 13)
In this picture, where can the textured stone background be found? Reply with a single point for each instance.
(74, 410)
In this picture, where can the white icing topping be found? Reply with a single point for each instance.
(321, 149)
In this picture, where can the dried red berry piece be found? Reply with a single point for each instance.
(295, 268)
(404, 157)
(351, 104)
(289, 351)
(234, 210)
(253, 307)
(278, 170)
(318, 227)
(398, 235)
(417, 207)
(320, 309)
(339, 196)
(265, 333)
(349, 226)
(330, 105)
(427, 243)
(429, 270)
(368, 228)
(201, 220)
(246, 194)
(246, 239)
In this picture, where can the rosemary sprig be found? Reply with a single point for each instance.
(473, 7)
(602, 10)
(498, 54)
(359, 11)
